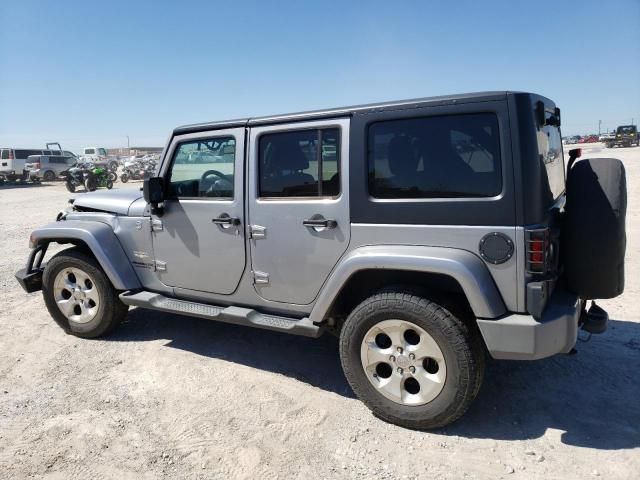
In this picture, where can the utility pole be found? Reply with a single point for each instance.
(599, 124)
(128, 146)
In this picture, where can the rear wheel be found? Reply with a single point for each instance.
(412, 362)
(70, 186)
(109, 184)
(124, 178)
(90, 184)
(49, 176)
(79, 296)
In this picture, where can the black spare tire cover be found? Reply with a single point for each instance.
(594, 238)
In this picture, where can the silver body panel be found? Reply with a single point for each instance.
(296, 258)
(114, 201)
(466, 268)
(103, 243)
(454, 237)
(198, 254)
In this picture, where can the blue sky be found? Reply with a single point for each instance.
(90, 73)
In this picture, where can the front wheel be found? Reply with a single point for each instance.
(109, 184)
(411, 361)
(124, 178)
(79, 296)
(70, 186)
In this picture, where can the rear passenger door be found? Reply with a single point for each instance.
(298, 207)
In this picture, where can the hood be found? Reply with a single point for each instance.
(112, 201)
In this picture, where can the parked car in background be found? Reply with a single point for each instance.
(48, 167)
(572, 140)
(606, 137)
(98, 156)
(13, 160)
(625, 136)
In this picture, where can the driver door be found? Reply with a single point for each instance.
(199, 241)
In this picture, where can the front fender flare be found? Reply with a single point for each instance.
(463, 266)
(100, 239)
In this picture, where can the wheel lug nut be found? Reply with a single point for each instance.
(412, 369)
(412, 356)
(400, 371)
(399, 349)
(392, 358)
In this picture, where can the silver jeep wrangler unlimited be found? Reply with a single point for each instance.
(425, 233)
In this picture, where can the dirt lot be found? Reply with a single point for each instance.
(176, 397)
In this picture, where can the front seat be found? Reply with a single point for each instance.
(283, 172)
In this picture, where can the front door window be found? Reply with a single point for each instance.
(203, 168)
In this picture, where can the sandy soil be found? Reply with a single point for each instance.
(175, 397)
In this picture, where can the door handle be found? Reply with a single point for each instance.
(322, 223)
(225, 219)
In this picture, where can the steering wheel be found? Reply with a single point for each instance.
(222, 178)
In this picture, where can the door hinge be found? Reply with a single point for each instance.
(156, 225)
(257, 232)
(160, 266)
(260, 277)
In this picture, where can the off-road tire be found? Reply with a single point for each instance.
(459, 341)
(111, 310)
(49, 176)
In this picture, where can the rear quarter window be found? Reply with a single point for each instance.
(447, 156)
(551, 156)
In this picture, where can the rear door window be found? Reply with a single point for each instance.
(444, 156)
(300, 163)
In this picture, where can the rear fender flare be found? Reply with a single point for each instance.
(466, 268)
(100, 240)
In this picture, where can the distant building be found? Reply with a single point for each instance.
(121, 152)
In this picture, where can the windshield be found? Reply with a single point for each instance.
(626, 130)
(89, 151)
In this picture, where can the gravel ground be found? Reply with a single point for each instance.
(176, 397)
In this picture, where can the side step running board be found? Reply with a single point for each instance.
(236, 315)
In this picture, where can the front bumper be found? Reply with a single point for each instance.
(30, 277)
(522, 337)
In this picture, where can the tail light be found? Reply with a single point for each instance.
(538, 245)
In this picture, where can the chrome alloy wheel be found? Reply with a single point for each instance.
(403, 362)
(76, 295)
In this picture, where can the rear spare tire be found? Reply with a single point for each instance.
(594, 238)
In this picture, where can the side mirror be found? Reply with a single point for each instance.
(153, 190)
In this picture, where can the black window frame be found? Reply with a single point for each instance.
(503, 210)
(319, 161)
(174, 154)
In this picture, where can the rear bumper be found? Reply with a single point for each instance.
(522, 337)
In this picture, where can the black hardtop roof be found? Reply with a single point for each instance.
(345, 111)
